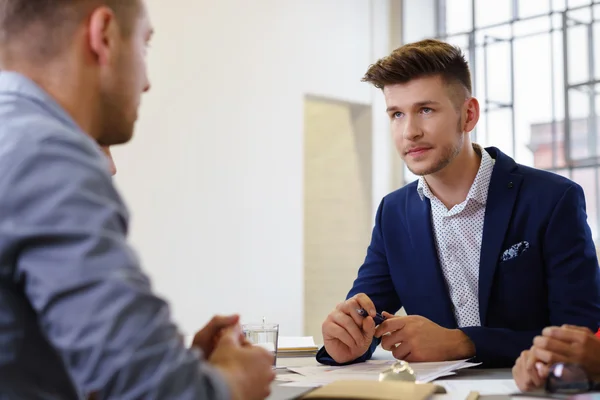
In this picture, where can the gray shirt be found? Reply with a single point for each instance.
(77, 314)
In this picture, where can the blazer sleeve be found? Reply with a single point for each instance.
(573, 282)
(572, 264)
(375, 281)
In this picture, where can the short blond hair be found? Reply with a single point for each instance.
(421, 59)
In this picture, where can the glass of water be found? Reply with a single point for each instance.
(263, 335)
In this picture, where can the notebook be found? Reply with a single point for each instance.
(387, 390)
(296, 346)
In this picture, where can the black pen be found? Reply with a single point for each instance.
(378, 317)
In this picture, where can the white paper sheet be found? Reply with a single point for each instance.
(322, 375)
(295, 380)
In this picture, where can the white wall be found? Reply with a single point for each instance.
(214, 174)
(419, 20)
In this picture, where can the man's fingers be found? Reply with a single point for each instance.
(529, 365)
(368, 328)
(566, 335)
(534, 377)
(337, 332)
(577, 328)
(389, 341)
(553, 345)
(547, 357)
(391, 325)
(401, 351)
(229, 337)
(365, 303)
(349, 325)
(351, 307)
(542, 369)
(243, 340)
(520, 374)
(526, 372)
(219, 322)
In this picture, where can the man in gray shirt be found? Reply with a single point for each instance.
(78, 316)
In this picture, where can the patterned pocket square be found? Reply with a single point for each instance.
(515, 251)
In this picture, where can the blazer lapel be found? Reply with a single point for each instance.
(502, 195)
(428, 263)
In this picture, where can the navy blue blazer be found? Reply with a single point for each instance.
(555, 281)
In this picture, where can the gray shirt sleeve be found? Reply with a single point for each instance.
(96, 307)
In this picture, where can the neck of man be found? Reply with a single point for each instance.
(452, 183)
(70, 87)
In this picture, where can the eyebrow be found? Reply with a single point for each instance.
(418, 104)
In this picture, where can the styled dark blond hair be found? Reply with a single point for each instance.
(421, 59)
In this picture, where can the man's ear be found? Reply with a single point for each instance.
(103, 35)
(470, 114)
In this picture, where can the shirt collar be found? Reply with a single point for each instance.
(14, 83)
(480, 186)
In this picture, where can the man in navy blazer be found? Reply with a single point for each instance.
(483, 253)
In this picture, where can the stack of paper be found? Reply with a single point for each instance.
(322, 375)
(296, 346)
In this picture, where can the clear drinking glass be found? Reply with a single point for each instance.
(263, 335)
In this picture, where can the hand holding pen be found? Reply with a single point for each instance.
(378, 318)
(348, 330)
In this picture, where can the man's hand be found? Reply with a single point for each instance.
(569, 344)
(529, 373)
(248, 370)
(415, 338)
(207, 338)
(346, 334)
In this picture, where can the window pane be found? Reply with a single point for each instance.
(497, 125)
(584, 123)
(563, 172)
(532, 26)
(533, 100)
(596, 29)
(577, 3)
(581, 15)
(558, 5)
(459, 14)
(501, 32)
(559, 89)
(494, 67)
(529, 7)
(546, 145)
(588, 179)
(492, 12)
(578, 53)
(461, 41)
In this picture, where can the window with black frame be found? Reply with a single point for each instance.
(536, 74)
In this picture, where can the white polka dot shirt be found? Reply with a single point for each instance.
(458, 233)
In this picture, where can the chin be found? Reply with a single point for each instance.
(125, 134)
(416, 168)
(422, 169)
